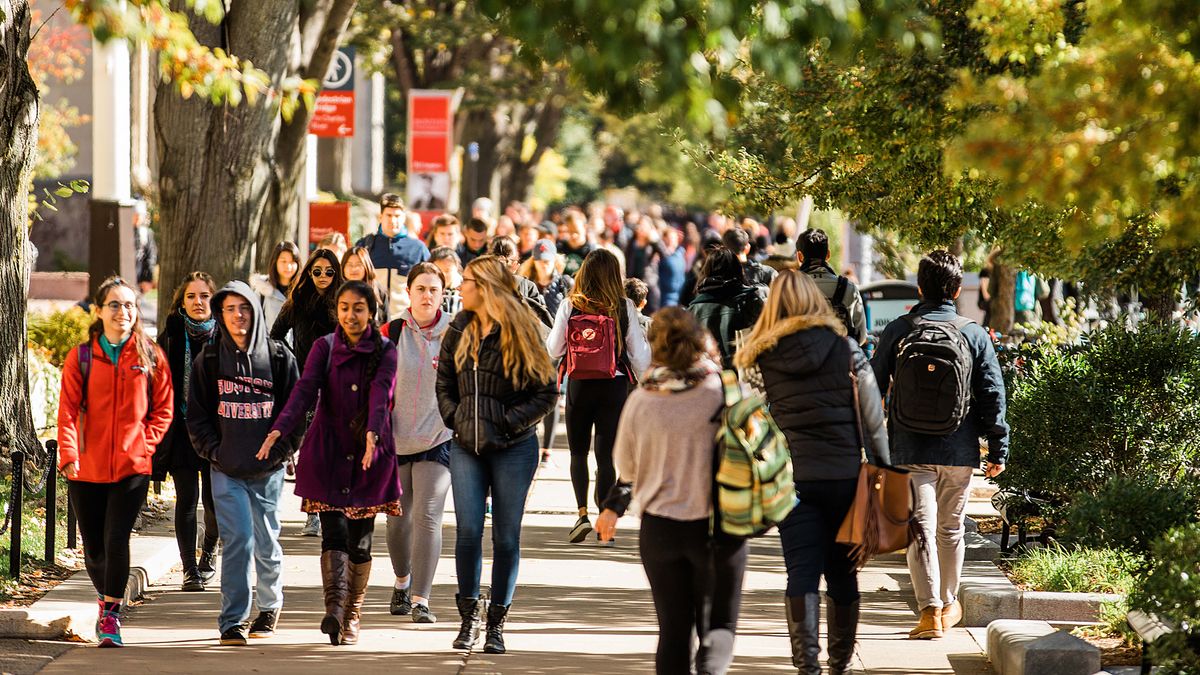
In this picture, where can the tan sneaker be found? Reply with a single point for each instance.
(930, 625)
(951, 615)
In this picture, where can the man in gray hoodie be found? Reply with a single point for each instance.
(239, 385)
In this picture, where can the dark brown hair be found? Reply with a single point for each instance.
(177, 300)
(425, 268)
(390, 200)
(273, 270)
(677, 340)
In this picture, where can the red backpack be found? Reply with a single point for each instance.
(591, 347)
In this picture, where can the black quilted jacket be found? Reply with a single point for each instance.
(479, 403)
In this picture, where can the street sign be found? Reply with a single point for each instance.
(334, 114)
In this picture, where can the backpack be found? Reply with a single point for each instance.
(84, 352)
(1025, 296)
(838, 302)
(931, 386)
(591, 347)
(753, 489)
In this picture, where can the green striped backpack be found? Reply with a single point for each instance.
(753, 488)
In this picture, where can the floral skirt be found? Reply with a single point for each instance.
(391, 508)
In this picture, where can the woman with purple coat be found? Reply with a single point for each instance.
(347, 473)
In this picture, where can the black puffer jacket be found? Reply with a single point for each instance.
(309, 318)
(479, 402)
(175, 451)
(805, 367)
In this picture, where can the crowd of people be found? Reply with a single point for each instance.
(422, 360)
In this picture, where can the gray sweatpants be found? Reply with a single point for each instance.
(414, 540)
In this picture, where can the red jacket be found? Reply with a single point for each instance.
(120, 428)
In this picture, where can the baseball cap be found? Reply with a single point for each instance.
(544, 250)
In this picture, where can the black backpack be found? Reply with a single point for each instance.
(931, 386)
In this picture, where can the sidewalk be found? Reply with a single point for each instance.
(578, 609)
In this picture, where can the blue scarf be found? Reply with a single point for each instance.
(196, 330)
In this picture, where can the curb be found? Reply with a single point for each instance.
(68, 611)
(985, 602)
(1016, 647)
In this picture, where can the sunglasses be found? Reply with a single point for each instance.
(323, 272)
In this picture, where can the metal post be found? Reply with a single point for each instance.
(18, 478)
(157, 487)
(51, 500)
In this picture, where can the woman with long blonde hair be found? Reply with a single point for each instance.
(495, 382)
(824, 398)
(605, 352)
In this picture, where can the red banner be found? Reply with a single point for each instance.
(334, 113)
(325, 218)
(430, 138)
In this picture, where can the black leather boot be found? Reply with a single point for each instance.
(843, 629)
(471, 611)
(804, 629)
(494, 643)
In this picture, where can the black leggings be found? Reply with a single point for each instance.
(106, 513)
(192, 487)
(697, 586)
(348, 535)
(809, 539)
(594, 403)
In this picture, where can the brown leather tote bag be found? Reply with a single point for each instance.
(880, 520)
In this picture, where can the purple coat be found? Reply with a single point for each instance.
(330, 467)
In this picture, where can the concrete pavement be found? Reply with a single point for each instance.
(578, 609)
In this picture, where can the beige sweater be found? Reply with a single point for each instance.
(665, 446)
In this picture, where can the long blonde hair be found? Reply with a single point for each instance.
(600, 288)
(794, 296)
(525, 358)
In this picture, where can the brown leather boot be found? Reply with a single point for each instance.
(359, 573)
(951, 615)
(335, 577)
(930, 625)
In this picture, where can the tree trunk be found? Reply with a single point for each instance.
(320, 27)
(1002, 303)
(216, 164)
(19, 109)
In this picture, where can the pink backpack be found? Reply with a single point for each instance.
(591, 347)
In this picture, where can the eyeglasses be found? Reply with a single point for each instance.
(465, 280)
(237, 309)
(118, 306)
(323, 272)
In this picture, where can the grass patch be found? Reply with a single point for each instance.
(1076, 570)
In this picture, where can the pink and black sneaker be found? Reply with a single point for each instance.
(109, 632)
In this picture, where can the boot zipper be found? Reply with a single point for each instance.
(476, 368)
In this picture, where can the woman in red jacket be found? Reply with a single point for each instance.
(115, 406)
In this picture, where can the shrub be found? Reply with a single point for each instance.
(1171, 591)
(1076, 570)
(59, 332)
(1129, 513)
(1123, 403)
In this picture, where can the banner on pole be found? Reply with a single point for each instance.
(334, 114)
(430, 138)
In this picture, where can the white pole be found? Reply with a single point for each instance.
(110, 120)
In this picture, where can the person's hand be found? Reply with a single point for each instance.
(265, 451)
(370, 453)
(606, 525)
(71, 470)
(992, 470)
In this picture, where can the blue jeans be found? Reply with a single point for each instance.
(508, 474)
(248, 518)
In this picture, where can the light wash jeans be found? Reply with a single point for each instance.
(940, 495)
(248, 518)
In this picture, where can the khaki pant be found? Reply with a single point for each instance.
(940, 495)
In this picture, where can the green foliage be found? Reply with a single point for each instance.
(1111, 622)
(1129, 513)
(1076, 570)
(59, 332)
(1124, 403)
(45, 386)
(686, 55)
(1171, 591)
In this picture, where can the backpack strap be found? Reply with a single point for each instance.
(961, 322)
(394, 328)
(733, 390)
(84, 352)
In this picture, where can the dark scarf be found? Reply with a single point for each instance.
(198, 331)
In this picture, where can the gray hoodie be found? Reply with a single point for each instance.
(416, 423)
(236, 395)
